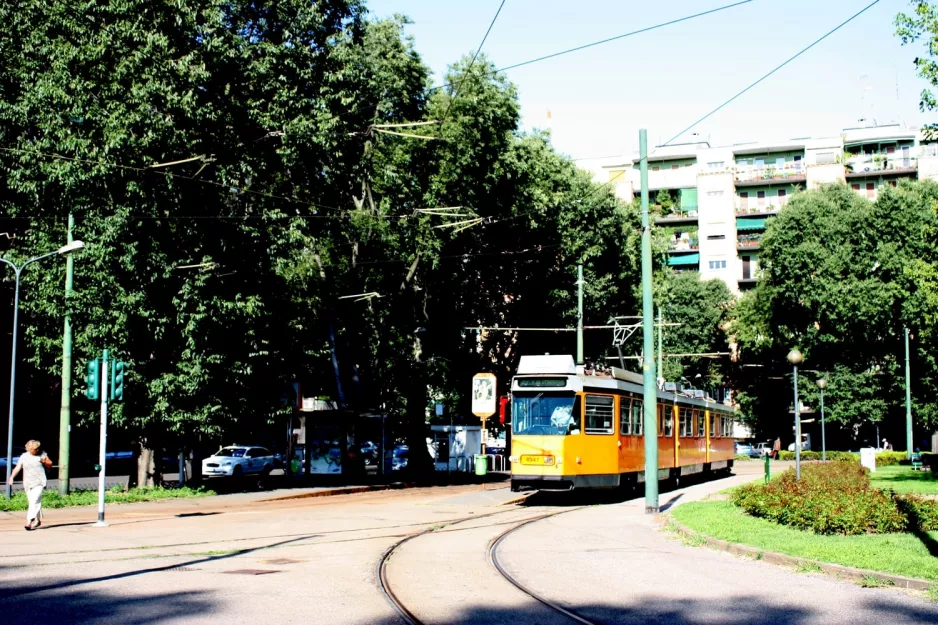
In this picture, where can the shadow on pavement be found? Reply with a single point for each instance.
(617, 495)
(94, 606)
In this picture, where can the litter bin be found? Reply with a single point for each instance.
(482, 464)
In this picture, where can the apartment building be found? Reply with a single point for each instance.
(715, 202)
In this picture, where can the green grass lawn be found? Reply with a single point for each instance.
(903, 479)
(900, 554)
(51, 499)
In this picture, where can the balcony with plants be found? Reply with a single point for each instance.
(748, 242)
(682, 241)
(862, 164)
(760, 205)
(769, 172)
(678, 206)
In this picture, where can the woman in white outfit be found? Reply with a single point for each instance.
(33, 467)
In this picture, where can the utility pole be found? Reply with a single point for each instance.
(65, 413)
(650, 403)
(579, 315)
(660, 331)
(908, 401)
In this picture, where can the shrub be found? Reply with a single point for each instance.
(810, 456)
(835, 498)
(883, 459)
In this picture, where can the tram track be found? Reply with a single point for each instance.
(493, 558)
(407, 613)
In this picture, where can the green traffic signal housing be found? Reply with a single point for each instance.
(117, 381)
(93, 380)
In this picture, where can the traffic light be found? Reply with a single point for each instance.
(117, 381)
(93, 380)
(502, 405)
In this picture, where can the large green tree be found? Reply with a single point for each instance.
(921, 25)
(842, 278)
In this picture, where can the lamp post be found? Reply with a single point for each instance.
(822, 384)
(67, 249)
(795, 357)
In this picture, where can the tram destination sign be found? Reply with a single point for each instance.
(541, 382)
(484, 398)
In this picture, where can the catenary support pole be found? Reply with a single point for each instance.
(579, 315)
(660, 334)
(102, 451)
(908, 400)
(648, 351)
(65, 413)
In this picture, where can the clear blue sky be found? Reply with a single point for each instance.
(666, 79)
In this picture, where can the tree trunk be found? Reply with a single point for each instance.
(146, 470)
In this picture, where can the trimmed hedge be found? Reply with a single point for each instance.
(883, 458)
(835, 498)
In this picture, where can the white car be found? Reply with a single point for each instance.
(238, 460)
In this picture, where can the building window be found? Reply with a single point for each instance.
(782, 197)
(714, 165)
(760, 163)
(855, 186)
(625, 416)
(744, 200)
(673, 167)
(717, 264)
(931, 149)
(798, 162)
(760, 198)
(890, 149)
(826, 158)
(599, 414)
(655, 168)
(687, 164)
(780, 162)
(871, 190)
(892, 183)
(715, 193)
(716, 237)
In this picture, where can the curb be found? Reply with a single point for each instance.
(837, 570)
(333, 492)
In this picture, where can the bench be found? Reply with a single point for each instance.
(916, 462)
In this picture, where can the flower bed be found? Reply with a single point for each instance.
(883, 458)
(836, 498)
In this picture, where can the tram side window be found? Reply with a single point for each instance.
(701, 423)
(727, 427)
(625, 416)
(668, 421)
(713, 425)
(599, 415)
(686, 421)
(638, 418)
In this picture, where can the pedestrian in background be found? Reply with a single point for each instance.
(776, 447)
(33, 465)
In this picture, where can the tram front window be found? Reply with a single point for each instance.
(540, 414)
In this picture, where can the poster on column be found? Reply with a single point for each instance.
(483, 395)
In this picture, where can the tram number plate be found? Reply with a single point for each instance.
(538, 460)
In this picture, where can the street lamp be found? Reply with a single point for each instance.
(822, 384)
(74, 246)
(795, 357)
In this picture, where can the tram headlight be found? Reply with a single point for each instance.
(512, 459)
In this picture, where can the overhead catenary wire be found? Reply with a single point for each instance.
(471, 63)
(774, 70)
(606, 40)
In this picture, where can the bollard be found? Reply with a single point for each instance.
(768, 470)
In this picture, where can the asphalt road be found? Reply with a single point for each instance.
(239, 558)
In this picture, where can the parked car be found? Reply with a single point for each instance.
(237, 460)
(761, 449)
(399, 457)
(805, 443)
(744, 449)
(17, 452)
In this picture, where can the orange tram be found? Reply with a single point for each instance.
(572, 428)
